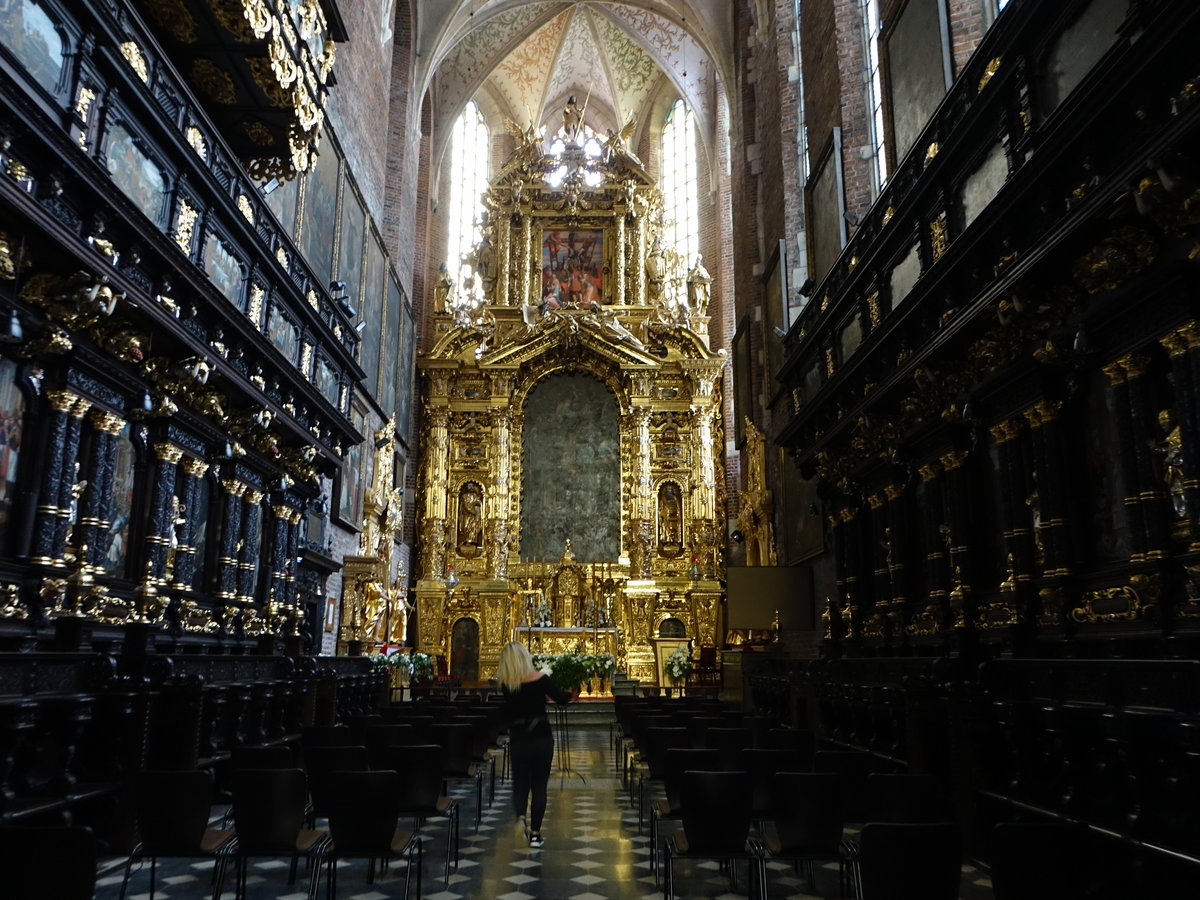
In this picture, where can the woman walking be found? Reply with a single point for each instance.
(531, 741)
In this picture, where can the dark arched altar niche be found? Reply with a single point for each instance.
(571, 471)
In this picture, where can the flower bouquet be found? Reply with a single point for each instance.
(679, 663)
(420, 668)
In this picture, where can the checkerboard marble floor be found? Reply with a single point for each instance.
(593, 850)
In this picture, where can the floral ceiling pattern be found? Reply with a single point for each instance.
(521, 59)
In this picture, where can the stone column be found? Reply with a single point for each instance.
(184, 572)
(92, 529)
(58, 476)
(161, 525)
(231, 527)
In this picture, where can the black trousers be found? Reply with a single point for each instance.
(532, 754)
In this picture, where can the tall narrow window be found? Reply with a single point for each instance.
(872, 26)
(468, 181)
(680, 200)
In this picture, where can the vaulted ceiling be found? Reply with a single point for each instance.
(524, 58)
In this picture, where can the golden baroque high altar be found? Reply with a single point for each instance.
(571, 277)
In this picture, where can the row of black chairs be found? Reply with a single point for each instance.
(270, 814)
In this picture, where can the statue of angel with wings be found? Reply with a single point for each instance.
(616, 145)
(529, 141)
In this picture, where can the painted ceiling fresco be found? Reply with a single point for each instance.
(528, 56)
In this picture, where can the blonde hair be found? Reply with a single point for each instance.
(515, 664)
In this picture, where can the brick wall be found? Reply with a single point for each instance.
(968, 22)
(363, 69)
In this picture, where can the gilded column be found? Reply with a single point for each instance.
(852, 540)
(641, 432)
(1047, 499)
(436, 467)
(503, 243)
(280, 521)
(523, 265)
(931, 620)
(54, 492)
(878, 537)
(498, 498)
(1183, 345)
(956, 491)
(250, 549)
(618, 275)
(895, 546)
(160, 528)
(639, 267)
(1123, 375)
(293, 552)
(184, 571)
(231, 527)
(704, 491)
(92, 529)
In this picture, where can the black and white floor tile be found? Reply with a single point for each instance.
(594, 850)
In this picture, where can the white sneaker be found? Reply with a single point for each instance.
(536, 841)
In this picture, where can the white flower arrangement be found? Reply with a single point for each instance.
(542, 617)
(679, 663)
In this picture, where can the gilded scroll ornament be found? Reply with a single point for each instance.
(185, 224)
(989, 71)
(133, 55)
(1124, 603)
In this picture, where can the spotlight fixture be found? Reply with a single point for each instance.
(780, 332)
(851, 217)
(337, 286)
(806, 289)
(737, 536)
(271, 185)
(360, 326)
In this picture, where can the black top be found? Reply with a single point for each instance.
(526, 706)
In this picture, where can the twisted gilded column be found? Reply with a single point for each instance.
(280, 518)
(638, 248)
(435, 465)
(523, 262)
(618, 277)
(183, 573)
(1183, 345)
(161, 522)
(1124, 376)
(956, 491)
(58, 476)
(503, 249)
(1048, 500)
(92, 529)
(231, 527)
(250, 549)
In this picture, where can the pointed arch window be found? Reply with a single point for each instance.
(872, 29)
(680, 191)
(468, 180)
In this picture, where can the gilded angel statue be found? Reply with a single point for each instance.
(617, 143)
(529, 141)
